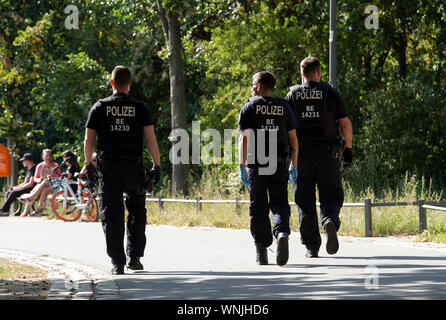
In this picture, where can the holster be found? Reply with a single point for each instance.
(338, 150)
(148, 180)
(289, 152)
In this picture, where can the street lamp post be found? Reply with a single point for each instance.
(332, 42)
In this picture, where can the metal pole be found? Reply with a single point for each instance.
(199, 206)
(422, 216)
(11, 179)
(237, 205)
(332, 42)
(160, 203)
(368, 217)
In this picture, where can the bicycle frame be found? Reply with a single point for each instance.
(76, 197)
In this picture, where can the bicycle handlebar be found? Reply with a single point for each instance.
(58, 165)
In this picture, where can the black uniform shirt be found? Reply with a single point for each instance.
(268, 114)
(248, 114)
(119, 121)
(317, 107)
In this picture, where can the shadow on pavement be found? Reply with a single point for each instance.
(419, 281)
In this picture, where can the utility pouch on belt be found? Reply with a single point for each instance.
(92, 173)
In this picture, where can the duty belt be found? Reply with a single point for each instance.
(327, 144)
(279, 160)
(119, 156)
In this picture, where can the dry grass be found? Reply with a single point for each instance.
(22, 282)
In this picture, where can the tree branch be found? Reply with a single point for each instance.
(163, 17)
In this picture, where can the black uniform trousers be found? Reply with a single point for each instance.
(11, 196)
(117, 176)
(276, 186)
(319, 167)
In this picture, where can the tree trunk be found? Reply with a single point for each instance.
(172, 34)
(177, 98)
(402, 60)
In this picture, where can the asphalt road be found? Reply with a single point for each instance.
(211, 263)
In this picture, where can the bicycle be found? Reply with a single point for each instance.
(69, 205)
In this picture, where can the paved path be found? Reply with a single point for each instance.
(210, 263)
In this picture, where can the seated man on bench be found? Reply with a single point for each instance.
(25, 187)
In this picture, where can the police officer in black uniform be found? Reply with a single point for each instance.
(121, 125)
(267, 127)
(319, 111)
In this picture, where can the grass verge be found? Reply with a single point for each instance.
(22, 282)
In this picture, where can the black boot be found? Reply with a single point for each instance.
(262, 254)
(332, 239)
(117, 269)
(135, 264)
(312, 253)
(282, 252)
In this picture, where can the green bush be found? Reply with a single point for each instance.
(403, 132)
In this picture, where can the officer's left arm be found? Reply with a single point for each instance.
(152, 144)
(347, 131)
(292, 138)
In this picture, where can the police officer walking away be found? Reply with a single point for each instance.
(319, 110)
(268, 125)
(121, 124)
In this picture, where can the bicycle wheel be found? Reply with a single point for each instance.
(66, 214)
(91, 212)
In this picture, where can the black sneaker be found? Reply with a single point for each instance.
(332, 238)
(312, 254)
(116, 270)
(135, 264)
(4, 213)
(282, 252)
(36, 213)
(262, 255)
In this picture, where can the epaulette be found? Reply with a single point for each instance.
(254, 99)
(294, 88)
(106, 99)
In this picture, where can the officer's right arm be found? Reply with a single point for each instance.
(244, 126)
(243, 147)
(89, 143)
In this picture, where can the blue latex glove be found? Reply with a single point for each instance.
(244, 176)
(292, 174)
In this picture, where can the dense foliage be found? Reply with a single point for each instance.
(392, 79)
